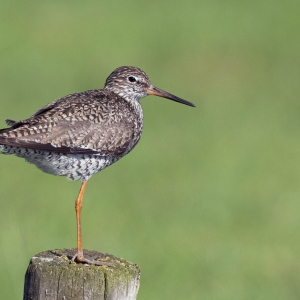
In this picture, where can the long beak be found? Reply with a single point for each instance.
(158, 92)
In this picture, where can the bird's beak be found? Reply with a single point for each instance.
(158, 92)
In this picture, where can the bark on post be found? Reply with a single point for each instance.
(50, 275)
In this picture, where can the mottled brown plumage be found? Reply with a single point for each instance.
(92, 122)
(82, 133)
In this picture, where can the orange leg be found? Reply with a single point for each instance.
(78, 257)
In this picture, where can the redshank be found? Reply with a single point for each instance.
(81, 134)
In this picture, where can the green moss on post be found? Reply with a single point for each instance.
(50, 275)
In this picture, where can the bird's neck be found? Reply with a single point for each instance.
(136, 107)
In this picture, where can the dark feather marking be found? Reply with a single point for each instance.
(46, 108)
(10, 122)
(45, 147)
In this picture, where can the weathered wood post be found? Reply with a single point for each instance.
(50, 275)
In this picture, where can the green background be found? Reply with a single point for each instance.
(208, 204)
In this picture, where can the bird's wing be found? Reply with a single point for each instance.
(78, 125)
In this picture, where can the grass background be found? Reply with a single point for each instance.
(208, 203)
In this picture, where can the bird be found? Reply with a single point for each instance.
(83, 133)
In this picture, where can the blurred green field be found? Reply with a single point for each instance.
(208, 203)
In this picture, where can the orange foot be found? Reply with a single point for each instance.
(78, 257)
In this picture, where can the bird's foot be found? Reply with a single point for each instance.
(79, 258)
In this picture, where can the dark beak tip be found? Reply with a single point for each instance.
(161, 93)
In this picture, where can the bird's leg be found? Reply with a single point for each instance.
(78, 207)
(78, 257)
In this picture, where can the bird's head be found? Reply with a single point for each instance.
(133, 84)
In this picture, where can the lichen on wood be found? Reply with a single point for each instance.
(51, 275)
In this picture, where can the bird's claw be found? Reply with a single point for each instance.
(81, 259)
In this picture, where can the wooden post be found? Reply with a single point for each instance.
(51, 275)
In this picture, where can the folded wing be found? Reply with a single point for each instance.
(76, 125)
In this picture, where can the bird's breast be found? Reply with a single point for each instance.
(138, 121)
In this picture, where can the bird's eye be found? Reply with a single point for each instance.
(132, 79)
